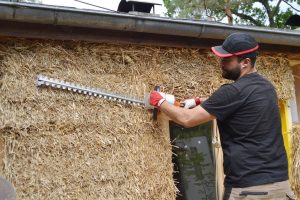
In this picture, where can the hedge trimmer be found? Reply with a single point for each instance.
(73, 87)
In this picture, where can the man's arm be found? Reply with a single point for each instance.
(186, 117)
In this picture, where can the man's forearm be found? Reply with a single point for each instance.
(175, 113)
(183, 116)
(186, 117)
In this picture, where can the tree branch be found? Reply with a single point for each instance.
(247, 17)
(205, 7)
(266, 5)
(228, 12)
(276, 9)
(269, 11)
(291, 6)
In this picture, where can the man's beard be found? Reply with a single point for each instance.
(232, 74)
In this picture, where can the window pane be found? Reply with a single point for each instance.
(193, 161)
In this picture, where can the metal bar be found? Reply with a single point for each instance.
(55, 83)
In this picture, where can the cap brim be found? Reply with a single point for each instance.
(219, 51)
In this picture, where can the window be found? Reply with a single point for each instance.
(194, 170)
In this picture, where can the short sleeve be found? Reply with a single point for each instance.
(223, 102)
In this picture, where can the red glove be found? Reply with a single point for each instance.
(191, 103)
(157, 98)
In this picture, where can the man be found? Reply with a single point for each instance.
(247, 113)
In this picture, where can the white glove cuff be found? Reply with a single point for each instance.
(160, 102)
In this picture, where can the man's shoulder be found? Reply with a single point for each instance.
(233, 87)
(252, 79)
(229, 90)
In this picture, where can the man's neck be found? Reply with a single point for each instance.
(248, 71)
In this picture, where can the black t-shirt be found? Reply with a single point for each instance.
(249, 122)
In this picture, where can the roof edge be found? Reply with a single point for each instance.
(67, 16)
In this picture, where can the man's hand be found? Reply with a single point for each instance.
(157, 98)
(191, 103)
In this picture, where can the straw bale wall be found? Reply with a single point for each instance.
(295, 166)
(62, 145)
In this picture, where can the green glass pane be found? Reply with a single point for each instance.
(193, 160)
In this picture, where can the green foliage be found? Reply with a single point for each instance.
(282, 17)
(247, 12)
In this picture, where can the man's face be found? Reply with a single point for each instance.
(231, 68)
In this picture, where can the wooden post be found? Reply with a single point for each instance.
(218, 155)
(2, 155)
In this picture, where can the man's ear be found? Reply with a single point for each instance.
(246, 62)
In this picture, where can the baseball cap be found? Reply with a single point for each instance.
(236, 44)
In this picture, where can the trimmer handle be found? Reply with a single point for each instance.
(155, 110)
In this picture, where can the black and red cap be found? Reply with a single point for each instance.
(236, 44)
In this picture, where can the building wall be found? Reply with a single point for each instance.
(66, 145)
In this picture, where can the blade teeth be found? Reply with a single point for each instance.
(39, 83)
(43, 80)
(39, 80)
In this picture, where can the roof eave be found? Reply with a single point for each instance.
(91, 19)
